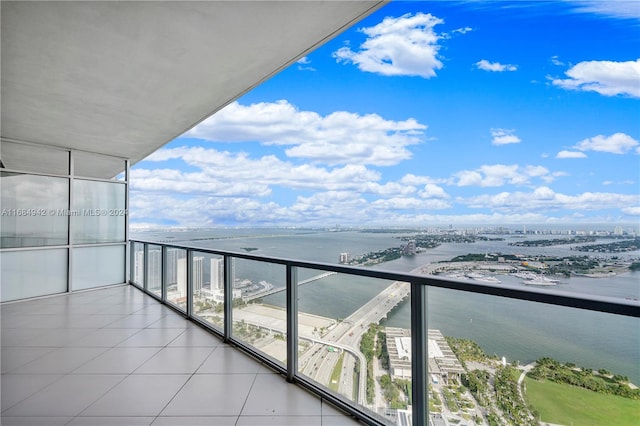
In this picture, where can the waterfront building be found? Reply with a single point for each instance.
(172, 265)
(198, 274)
(410, 248)
(182, 277)
(197, 277)
(443, 363)
(399, 349)
(344, 257)
(217, 295)
(154, 269)
(217, 274)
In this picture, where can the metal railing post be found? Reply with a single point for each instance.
(132, 262)
(189, 301)
(163, 274)
(228, 297)
(145, 267)
(419, 355)
(292, 322)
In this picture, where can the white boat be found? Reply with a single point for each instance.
(541, 281)
(525, 275)
(483, 278)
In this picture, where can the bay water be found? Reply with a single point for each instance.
(518, 330)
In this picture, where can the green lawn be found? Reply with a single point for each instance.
(565, 404)
(335, 374)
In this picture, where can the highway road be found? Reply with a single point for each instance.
(318, 364)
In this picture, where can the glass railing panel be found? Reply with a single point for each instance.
(259, 307)
(154, 269)
(349, 328)
(137, 267)
(175, 275)
(483, 351)
(208, 288)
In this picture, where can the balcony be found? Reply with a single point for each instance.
(266, 307)
(116, 356)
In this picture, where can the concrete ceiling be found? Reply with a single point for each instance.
(125, 78)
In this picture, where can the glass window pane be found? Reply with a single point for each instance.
(19, 278)
(154, 270)
(98, 166)
(31, 158)
(507, 358)
(259, 307)
(357, 342)
(137, 269)
(208, 287)
(98, 213)
(34, 210)
(97, 266)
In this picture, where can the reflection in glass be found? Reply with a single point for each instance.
(208, 287)
(19, 278)
(98, 212)
(97, 266)
(34, 210)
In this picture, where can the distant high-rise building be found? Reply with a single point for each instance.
(198, 274)
(181, 270)
(410, 248)
(217, 274)
(172, 265)
(154, 269)
(618, 230)
(344, 257)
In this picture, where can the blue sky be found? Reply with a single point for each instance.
(424, 113)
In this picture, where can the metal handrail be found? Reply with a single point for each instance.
(419, 285)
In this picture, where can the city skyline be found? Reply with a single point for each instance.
(423, 113)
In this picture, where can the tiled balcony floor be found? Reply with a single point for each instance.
(118, 357)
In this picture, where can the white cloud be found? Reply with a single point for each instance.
(304, 64)
(607, 78)
(388, 189)
(555, 60)
(463, 30)
(571, 154)
(338, 138)
(407, 45)
(469, 178)
(500, 174)
(224, 173)
(618, 143)
(631, 211)
(504, 137)
(495, 66)
(207, 211)
(545, 199)
(431, 190)
(616, 8)
(411, 179)
(407, 203)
